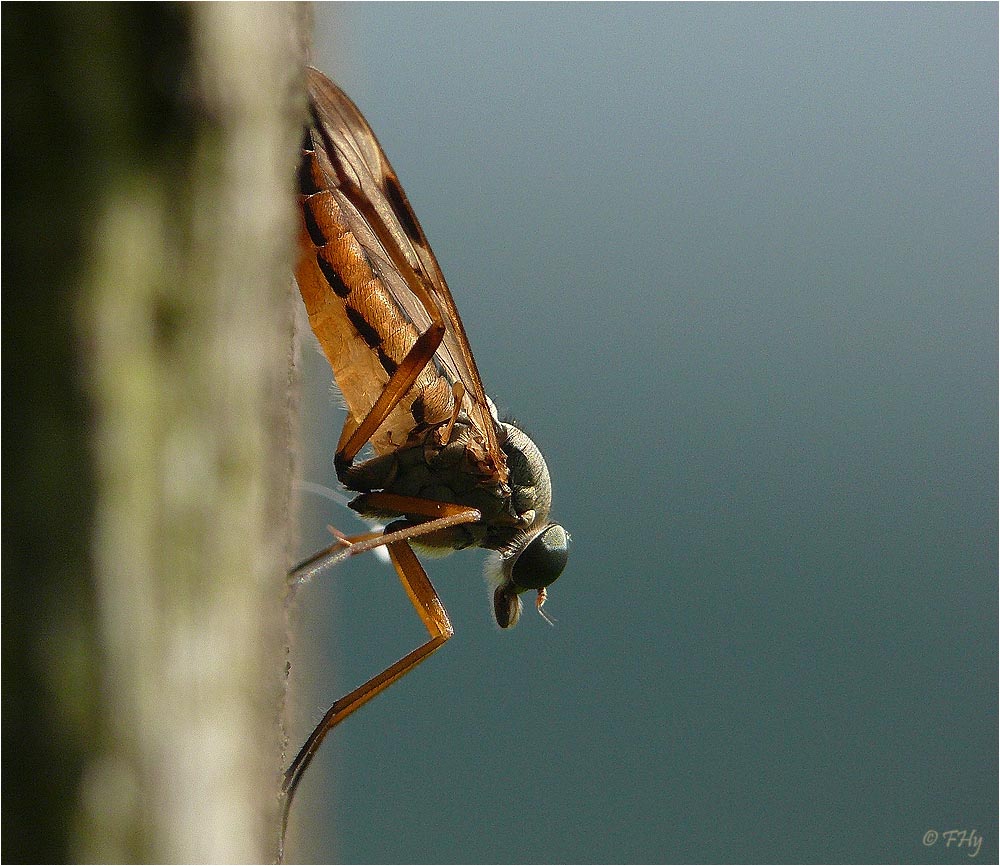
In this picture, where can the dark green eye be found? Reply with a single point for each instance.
(543, 560)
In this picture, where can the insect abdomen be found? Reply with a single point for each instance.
(364, 333)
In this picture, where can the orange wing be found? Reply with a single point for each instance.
(371, 283)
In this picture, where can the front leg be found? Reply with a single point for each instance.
(441, 516)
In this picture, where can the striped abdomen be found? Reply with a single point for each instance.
(364, 332)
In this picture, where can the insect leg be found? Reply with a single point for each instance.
(445, 515)
(428, 606)
(399, 383)
(397, 504)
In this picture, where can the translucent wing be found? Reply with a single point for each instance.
(384, 278)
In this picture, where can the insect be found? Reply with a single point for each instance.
(446, 471)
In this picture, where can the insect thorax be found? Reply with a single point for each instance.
(449, 474)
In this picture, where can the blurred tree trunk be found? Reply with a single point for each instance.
(149, 154)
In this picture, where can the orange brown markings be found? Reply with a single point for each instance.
(327, 213)
(376, 319)
(371, 311)
(341, 259)
(397, 338)
(379, 308)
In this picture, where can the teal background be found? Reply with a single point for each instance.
(735, 269)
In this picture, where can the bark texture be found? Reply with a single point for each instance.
(149, 154)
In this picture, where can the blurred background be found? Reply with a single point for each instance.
(735, 270)
(148, 227)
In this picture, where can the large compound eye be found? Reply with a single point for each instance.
(543, 560)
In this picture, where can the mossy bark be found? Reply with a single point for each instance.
(149, 157)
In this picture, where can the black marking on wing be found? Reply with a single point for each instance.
(387, 363)
(307, 181)
(367, 332)
(315, 232)
(332, 276)
(401, 209)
